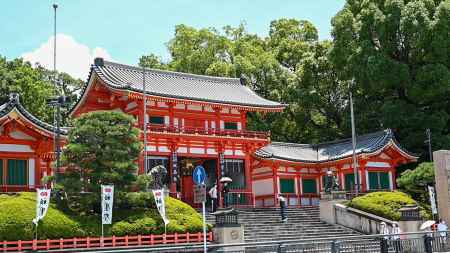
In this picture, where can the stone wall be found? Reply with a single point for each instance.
(442, 175)
(359, 220)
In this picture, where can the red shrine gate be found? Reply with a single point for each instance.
(192, 120)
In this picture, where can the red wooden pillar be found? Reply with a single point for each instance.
(219, 170)
(173, 163)
(244, 120)
(362, 166)
(275, 183)
(37, 171)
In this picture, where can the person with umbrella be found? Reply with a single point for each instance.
(225, 189)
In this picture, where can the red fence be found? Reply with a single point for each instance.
(96, 242)
(208, 131)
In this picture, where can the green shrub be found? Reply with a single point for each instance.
(140, 220)
(384, 204)
(18, 211)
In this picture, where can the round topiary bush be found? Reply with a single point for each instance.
(17, 212)
(384, 204)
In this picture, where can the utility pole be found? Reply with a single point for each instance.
(355, 162)
(58, 105)
(428, 132)
(144, 95)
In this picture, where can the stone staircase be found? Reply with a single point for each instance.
(264, 224)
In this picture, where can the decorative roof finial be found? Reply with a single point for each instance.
(99, 62)
(14, 97)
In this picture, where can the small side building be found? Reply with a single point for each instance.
(26, 147)
(298, 170)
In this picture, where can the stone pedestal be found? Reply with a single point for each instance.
(442, 176)
(326, 206)
(228, 231)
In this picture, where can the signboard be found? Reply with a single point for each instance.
(432, 194)
(222, 164)
(42, 203)
(199, 193)
(107, 203)
(159, 200)
(174, 166)
(199, 175)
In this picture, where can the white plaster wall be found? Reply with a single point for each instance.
(163, 149)
(197, 150)
(179, 106)
(151, 148)
(239, 152)
(182, 150)
(378, 164)
(239, 126)
(15, 148)
(211, 151)
(263, 187)
(21, 135)
(31, 172)
(228, 152)
(213, 124)
(391, 184)
(166, 120)
(162, 104)
(222, 124)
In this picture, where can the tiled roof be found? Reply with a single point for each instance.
(180, 85)
(14, 103)
(329, 151)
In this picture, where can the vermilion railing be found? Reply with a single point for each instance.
(208, 131)
(97, 242)
(270, 200)
(18, 188)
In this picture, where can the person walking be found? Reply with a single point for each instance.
(396, 238)
(213, 195)
(442, 228)
(283, 206)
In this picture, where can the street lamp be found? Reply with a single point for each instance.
(352, 116)
(58, 102)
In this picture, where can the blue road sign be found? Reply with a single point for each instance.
(199, 175)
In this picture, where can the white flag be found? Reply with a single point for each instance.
(42, 203)
(432, 199)
(107, 203)
(159, 199)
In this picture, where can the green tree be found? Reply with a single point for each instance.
(398, 53)
(414, 182)
(102, 148)
(34, 86)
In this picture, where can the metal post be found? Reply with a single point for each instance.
(204, 227)
(428, 132)
(427, 243)
(55, 115)
(144, 95)
(355, 163)
(58, 136)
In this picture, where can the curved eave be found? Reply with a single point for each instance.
(391, 143)
(25, 115)
(136, 93)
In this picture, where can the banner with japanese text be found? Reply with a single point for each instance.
(160, 204)
(42, 203)
(107, 203)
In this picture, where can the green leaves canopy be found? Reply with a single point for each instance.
(103, 148)
(398, 52)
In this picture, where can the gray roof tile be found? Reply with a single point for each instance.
(181, 85)
(329, 151)
(14, 103)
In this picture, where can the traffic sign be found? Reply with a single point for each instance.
(199, 175)
(199, 193)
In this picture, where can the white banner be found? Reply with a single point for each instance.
(107, 203)
(432, 199)
(159, 200)
(42, 203)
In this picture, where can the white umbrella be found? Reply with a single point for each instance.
(226, 180)
(427, 224)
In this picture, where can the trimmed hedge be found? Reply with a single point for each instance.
(136, 213)
(17, 212)
(145, 219)
(384, 204)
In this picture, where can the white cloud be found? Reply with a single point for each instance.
(72, 57)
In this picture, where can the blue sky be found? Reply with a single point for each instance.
(125, 30)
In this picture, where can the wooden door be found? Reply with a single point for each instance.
(188, 190)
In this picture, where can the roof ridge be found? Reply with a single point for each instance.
(279, 143)
(232, 80)
(385, 132)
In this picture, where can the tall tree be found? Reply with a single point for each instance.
(34, 84)
(398, 53)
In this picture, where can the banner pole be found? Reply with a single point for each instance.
(204, 227)
(37, 230)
